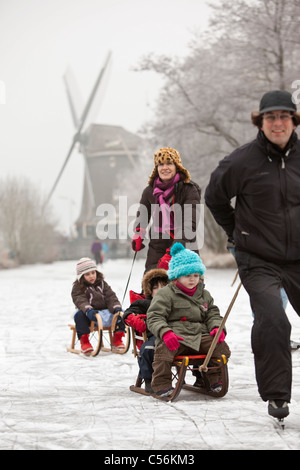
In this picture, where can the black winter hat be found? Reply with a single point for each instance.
(277, 99)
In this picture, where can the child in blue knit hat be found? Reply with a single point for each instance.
(184, 319)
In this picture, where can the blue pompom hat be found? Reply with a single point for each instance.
(184, 262)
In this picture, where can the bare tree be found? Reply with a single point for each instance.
(265, 36)
(26, 228)
(206, 100)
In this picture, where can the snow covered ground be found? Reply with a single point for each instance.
(55, 400)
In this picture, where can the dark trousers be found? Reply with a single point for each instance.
(83, 324)
(146, 358)
(271, 328)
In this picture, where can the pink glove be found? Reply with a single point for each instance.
(221, 337)
(136, 322)
(171, 340)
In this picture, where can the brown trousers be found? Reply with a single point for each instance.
(163, 358)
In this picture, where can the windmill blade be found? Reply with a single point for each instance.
(89, 182)
(68, 79)
(99, 96)
(62, 170)
(128, 152)
(80, 124)
(93, 93)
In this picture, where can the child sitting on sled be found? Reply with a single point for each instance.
(135, 316)
(184, 319)
(91, 294)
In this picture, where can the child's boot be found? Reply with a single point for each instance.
(117, 342)
(86, 346)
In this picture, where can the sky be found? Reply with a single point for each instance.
(40, 40)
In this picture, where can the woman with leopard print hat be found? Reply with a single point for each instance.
(172, 201)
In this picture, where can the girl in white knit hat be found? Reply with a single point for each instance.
(91, 294)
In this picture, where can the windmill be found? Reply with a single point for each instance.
(107, 150)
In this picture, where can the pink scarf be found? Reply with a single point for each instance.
(187, 291)
(163, 192)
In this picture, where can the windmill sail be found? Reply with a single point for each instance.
(80, 124)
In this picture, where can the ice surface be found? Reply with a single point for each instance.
(52, 399)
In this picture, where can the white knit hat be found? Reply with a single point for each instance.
(84, 266)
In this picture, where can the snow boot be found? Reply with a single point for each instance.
(117, 342)
(166, 392)
(85, 344)
(148, 387)
(199, 382)
(217, 387)
(278, 409)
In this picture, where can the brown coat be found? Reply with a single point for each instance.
(186, 219)
(99, 296)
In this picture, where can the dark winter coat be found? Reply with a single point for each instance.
(266, 183)
(188, 317)
(139, 307)
(98, 296)
(184, 194)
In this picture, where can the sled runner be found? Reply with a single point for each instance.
(182, 365)
(182, 380)
(101, 338)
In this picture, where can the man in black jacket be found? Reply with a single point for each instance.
(264, 176)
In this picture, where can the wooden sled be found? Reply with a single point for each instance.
(180, 366)
(101, 338)
(204, 363)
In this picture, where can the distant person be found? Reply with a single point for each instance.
(172, 200)
(91, 294)
(264, 226)
(97, 250)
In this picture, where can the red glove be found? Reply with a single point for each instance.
(163, 263)
(136, 322)
(221, 337)
(137, 240)
(171, 340)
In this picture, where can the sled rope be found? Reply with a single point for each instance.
(203, 367)
(129, 277)
(235, 277)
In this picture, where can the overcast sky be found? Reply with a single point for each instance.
(39, 39)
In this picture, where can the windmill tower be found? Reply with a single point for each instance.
(107, 151)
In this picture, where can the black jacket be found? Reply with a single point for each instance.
(139, 307)
(266, 183)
